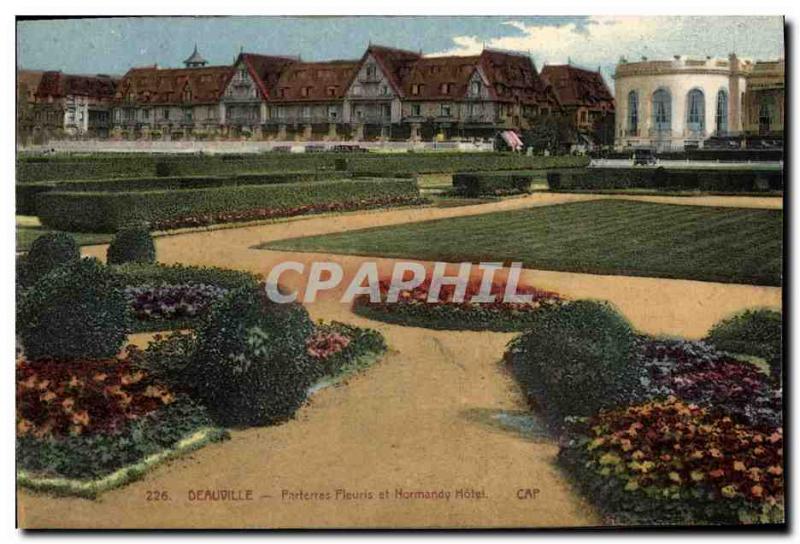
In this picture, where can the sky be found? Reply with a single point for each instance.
(113, 45)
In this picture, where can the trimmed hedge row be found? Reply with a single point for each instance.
(108, 211)
(147, 165)
(493, 183)
(135, 274)
(26, 193)
(662, 179)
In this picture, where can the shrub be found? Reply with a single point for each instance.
(108, 211)
(726, 181)
(575, 359)
(492, 183)
(169, 302)
(753, 332)
(166, 358)
(77, 311)
(131, 244)
(48, 252)
(250, 366)
(675, 463)
(165, 169)
(138, 274)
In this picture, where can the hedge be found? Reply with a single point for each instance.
(26, 193)
(135, 274)
(493, 183)
(108, 211)
(70, 168)
(734, 181)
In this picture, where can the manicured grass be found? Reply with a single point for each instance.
(29, 229)
(731, 245)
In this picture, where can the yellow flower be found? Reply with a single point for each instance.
(47, 397)
(729, 491)
(24, 426)
(100, 377)
(81, 418)
(68, 404)
(739, 466)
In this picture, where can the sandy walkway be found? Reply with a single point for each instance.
(417, 421)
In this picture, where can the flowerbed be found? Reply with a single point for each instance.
(674, 462)
(339, 349)
(696, 372)
(666, 432)
(171, 302)
(413, 309)
(88, 419)
(256, 214)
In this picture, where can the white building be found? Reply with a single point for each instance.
(668, 105)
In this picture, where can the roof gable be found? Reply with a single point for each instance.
(578, 87)
(167, 86)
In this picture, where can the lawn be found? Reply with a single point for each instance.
(618, 237)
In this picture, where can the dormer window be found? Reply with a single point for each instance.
(415, 89)
(444, 88)
(305, 91)
(187, 94)
(384, 90)
(476, 87)
(331, 91)
(371, 70)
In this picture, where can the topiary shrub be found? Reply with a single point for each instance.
(48, 252)
(77, 311)
(575, 359)
(753, 332)
(250, 365)
(131, 244)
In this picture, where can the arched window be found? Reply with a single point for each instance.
(765, 111)
(662, 110)
(722, 112)
(633, 112)
(696, 111)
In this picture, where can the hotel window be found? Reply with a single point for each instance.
(371, 70)
(331, 91)
(415, 89)
(384, 90)
(187, 94)
(476, 87)
(633, 112)
(332, 113)
(445, 88)
(357, 90)
(146, 114)
(722, 112)
(416, 110)
(306, 112)
(306, 91)
(662, 110)
(165, 114)
(446, 110)
(696, 112)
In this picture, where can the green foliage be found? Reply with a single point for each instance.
(553, 133)
(76, 311)
(575, 359)
(250, 366)
(107, 211)
(166, 359)
(97, 455)
(728, 181)
(492, 183)
(131, 274)
(48, 252)
(361, 344)
(165, 169)
(138, 165)
(757, 332)
(131, 244)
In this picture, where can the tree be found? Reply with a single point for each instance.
(553, 133)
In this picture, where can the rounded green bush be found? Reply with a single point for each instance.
(131, 244)
(576, 359)
(48, 252)
(250, 365)
(757, 332)
(77, 311)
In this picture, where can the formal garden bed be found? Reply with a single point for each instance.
(657, 431)
(413, 309)
(91, 416)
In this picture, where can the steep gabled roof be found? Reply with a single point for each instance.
(29, 79)
(321, 81)
(513, 77)
(579, 87)
(396, 64)
(165, 86)
(57, 84)
(428, 75)
(266, 69)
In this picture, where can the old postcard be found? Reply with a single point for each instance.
(481, 272)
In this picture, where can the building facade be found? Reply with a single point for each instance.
(387, 94)
(764, 101)
(58, 105)
(679, 103)
(586, 100)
